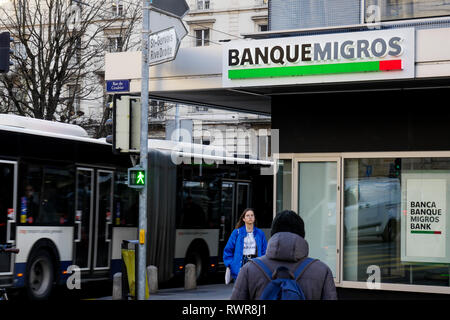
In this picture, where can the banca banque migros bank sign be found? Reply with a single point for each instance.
(356, 56)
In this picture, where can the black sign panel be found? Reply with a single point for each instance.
(176, 7)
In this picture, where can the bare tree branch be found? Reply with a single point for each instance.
(59, 55)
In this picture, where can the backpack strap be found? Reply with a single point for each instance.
(263, 267)
(303, 266)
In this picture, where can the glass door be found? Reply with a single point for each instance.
(318, 204)
(83, 218)
(103, 219)
(8, 183)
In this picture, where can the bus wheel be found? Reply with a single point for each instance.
(40, 275)
(197, 259)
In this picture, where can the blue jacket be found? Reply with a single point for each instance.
(232, 254)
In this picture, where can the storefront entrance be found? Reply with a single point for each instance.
(316, 199)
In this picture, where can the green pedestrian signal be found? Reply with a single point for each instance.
(136, 177)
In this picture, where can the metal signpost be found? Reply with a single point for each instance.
(142, 253)
(173, 9)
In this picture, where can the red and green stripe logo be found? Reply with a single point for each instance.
(320, 69)
(425, 232)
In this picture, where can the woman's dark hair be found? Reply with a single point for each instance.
(240, 222)
(288, 221)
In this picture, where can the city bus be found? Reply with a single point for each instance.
(65, 202)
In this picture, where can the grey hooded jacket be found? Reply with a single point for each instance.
(287, 249)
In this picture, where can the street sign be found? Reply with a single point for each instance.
(176, 7)
(163, 46)
(161, 20)
(136, 177)
(117, 85)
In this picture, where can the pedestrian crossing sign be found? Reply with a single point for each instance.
(136, 177)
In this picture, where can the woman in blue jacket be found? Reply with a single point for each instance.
(246, 242)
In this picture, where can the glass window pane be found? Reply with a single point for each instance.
(104, 217)
(284, 185)
(395, 219)
(84, 207)
(126, 202)
(317, 195)
(30, 193)
(198, 38)
(407, 9)
(206, 37)
(57, 200)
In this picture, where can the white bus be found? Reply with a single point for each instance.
(64, 201)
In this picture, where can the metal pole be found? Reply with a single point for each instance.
(140, 274)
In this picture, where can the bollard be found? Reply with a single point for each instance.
(190, 277)
(117, 286)
(152, 278)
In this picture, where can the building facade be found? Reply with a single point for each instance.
(363, 140)
(367, 167)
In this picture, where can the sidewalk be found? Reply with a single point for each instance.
(204, 292)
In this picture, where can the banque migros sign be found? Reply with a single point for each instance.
(355, 56)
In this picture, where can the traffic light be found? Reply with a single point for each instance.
(5, 51)
(136, 177)
(126, 124)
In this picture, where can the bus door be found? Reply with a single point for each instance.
(235, 199)
(93, 219)
(8, 197)
(243, 198)
(83, 218)
(103, 219)
(228, 203)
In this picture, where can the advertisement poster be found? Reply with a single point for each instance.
(424, 221)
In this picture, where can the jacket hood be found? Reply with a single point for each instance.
(287, 246)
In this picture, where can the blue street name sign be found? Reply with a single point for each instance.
(118, 85)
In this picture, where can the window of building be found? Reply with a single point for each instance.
(73, 92)
(201, 37)
(115, 44)
(406, 9)
(284, 185)
(203, 4)
(395, 218)
(76, 57)
(117, 8)
(262, 27)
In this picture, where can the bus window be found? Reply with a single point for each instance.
(126, 202)
(30, 194)
(57, 199)
(199, 205)
(47, 197)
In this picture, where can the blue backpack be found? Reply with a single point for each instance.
(283, 284)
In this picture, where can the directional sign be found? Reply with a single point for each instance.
(163, 46)
(161, 20)
(176, 7)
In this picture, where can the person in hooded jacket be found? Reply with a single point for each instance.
(286, 247)
(245, 243)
